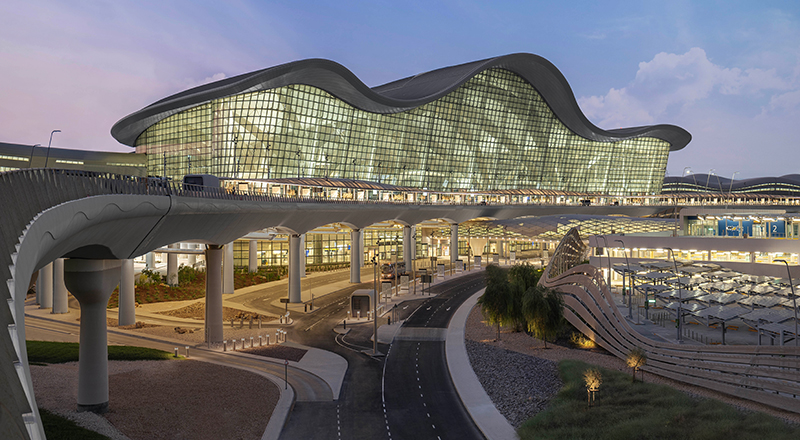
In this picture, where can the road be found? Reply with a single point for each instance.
(421, 402)
(376, 401)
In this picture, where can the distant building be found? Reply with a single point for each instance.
(18, 156)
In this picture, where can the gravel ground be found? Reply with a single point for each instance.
(165, 400)
(512, 344)
(519, 385)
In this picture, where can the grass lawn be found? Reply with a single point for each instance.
(40, 352)
(625, 410)
(59, 428)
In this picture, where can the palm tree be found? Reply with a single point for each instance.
(496, 304)
(543, 309)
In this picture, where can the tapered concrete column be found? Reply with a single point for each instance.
(253, 256)
(302, 255)
(407, 247)
(295, 250)
(227, 268)
(91, 282)
(127, 295)
(44, 287)
(453, 242)
(60, 303)
(355, 256)
(172, 266)
(150, 260)
(214, 293)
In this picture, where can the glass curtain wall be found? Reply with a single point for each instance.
(493, 132)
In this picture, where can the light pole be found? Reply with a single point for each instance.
(375, 304)
(630, 279)
(30, 161)
(730, 188)
(680, 296)
(47, 159)
(794, 299)
(608, 255)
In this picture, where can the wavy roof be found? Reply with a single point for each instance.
(397, 96)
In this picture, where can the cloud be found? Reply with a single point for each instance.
(673, 82)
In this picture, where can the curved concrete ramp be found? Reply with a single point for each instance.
(766, 374)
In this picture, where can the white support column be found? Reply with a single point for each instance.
(355, 256)
(91, 282)
(150, 260)
(453, 242)
(214, 293)
(127, 296)
(60, 303)
(191, 259)
(172, 266)
(302, 255)
(44, 287)
(252, 260)
(294, 269)
(413, 241)
(227, 269)
(407, 247)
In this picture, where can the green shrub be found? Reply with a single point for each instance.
(60, 352)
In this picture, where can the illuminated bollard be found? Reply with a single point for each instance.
(176, 352)
(260, 341)
(187, 352)
(251, 342)
(225, 345)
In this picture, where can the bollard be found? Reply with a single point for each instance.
(233, 344)
(242, 343)
(251, 342)
(225, 345)
(260, 341)
(305, 308)
(187, 352)
(344, 323)
(176, 351)
(267, 339)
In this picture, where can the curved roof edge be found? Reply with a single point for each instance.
(397, 96)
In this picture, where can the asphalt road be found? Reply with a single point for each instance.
(420, 400)
(376, 401)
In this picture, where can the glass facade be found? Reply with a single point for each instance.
(494, 132)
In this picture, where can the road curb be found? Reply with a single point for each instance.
(478, 404)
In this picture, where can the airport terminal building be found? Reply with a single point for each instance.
(504, 123)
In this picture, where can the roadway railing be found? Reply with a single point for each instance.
(94, 183)
(766, 374)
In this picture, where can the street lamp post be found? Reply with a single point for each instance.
(730, 188)
(794, 300)
(47, 159)
(680, 297)
(30, 161)
(608, 255)
(375, 304)
(630, 280)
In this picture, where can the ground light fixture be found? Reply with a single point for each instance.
(794, 299)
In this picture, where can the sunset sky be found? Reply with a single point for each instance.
(726, 71)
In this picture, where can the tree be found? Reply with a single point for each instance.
(496, 304)
(521, 279)
(636, 359)
(543, 309)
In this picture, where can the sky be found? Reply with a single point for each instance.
(726, 71)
